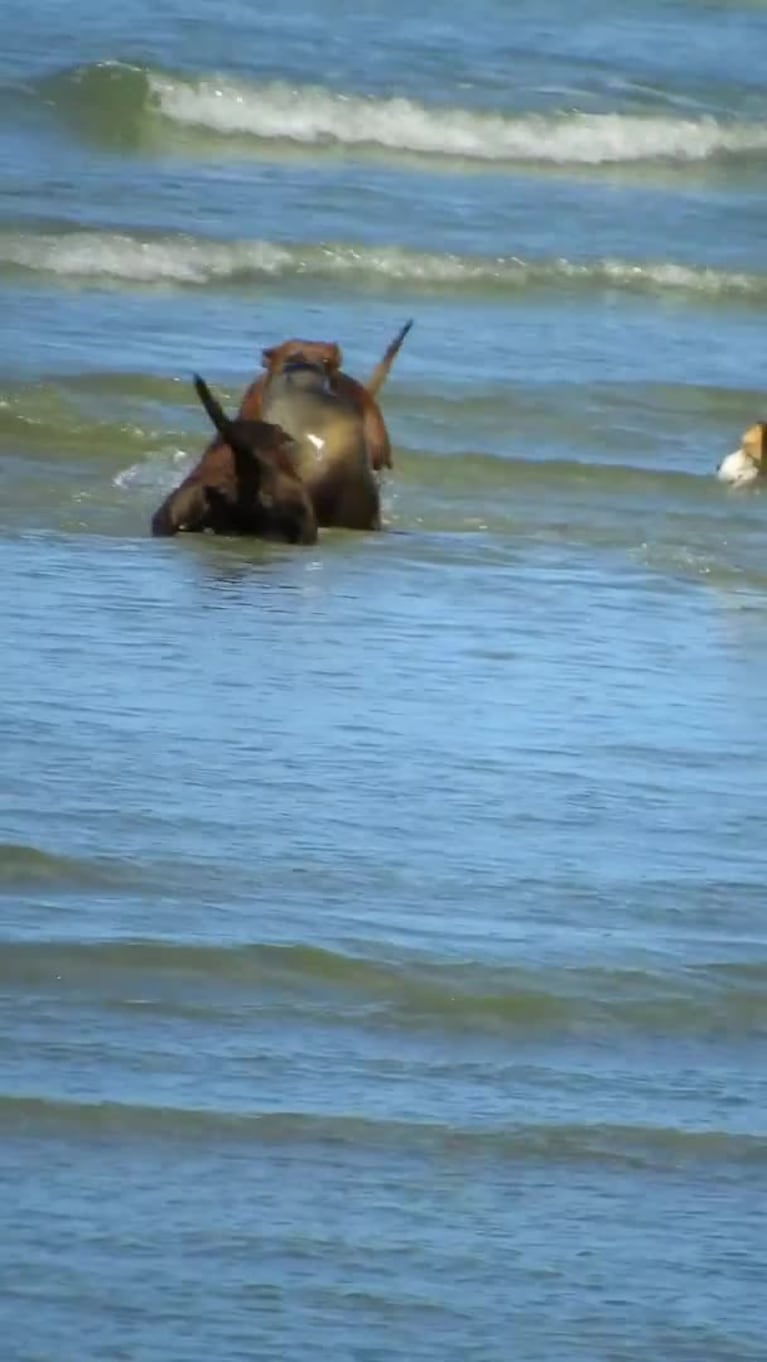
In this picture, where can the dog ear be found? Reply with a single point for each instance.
(267, 356)
(754, 445)
(334, 359)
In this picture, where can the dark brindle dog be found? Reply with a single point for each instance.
(246, 482)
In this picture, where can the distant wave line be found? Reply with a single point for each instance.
(415, 992)
(149, 259)
(633, 1145)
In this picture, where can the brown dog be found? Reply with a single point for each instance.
(747, 463)
(335, 421)
(245, 483)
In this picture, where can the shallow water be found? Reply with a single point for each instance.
(384, 964)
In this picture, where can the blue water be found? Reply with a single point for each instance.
(384, 963)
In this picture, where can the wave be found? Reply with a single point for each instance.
(143, 433)
(633, 1145)
(317, 116)
(489, 493)
(112, 97)
(179, 261)
(28, 866)
(57, 422)
(158, 456)
(417, 993)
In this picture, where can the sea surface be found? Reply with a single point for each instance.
(383, 925)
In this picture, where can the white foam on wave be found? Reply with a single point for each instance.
(182, 261)
(313, 116)
(113, 255)
(662, 276)
(159, 472)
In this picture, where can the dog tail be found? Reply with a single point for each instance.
(381, 371)
(247, 461)
(213, 407)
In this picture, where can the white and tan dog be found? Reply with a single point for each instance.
(747, 463)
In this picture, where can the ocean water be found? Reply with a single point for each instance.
(384, 960)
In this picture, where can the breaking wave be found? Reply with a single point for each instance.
(121, 258)
(315, 115)
(114, 98)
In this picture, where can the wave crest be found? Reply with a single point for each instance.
(117, 100)
(23, 866)
(413, 993)
(620, 1145)
(184, 261)
(313, 115)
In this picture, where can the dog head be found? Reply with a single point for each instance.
(266, 495)
(295, 354)
(748, 462)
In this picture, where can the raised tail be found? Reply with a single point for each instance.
(381, 371)
(213, 407)
(247, 462)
